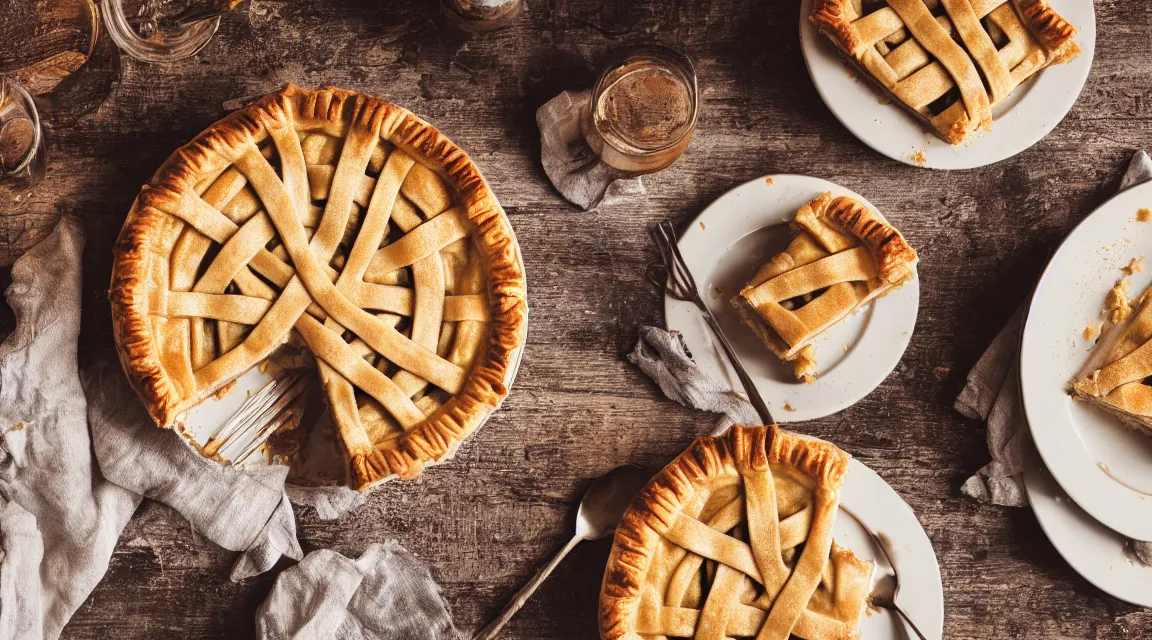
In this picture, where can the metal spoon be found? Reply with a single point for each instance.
(601, 509)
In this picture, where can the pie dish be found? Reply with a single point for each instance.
(734, 539)
(948, 62)
(1118, 374)
(844, 255)
(343, 227)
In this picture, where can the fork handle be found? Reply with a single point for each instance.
(749, 387)
(915, 629)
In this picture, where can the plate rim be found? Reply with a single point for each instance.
(1081, 479)
(1064, 99)
(1067, 526)
(851, 392)
(921, 592)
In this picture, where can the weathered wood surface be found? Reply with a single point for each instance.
(486, 520)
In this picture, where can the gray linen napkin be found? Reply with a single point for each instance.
(60, 514)
(575, 171)
(992, 394)
(386, 594)
(664, 357)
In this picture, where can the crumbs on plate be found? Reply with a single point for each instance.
(768, 181)
(1144, 215)
(788, 407)
(1092, 330)
(919, 157)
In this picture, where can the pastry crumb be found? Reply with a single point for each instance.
(1117, 304)
(702, 227)
(788, 407)
(919, 157)
(768, 181)
(225, 390)
(1092, 331)
(804, 364)
(844, 347)
(1135, 266)
(885, 100)
(1144, 215)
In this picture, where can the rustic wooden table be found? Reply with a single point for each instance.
(486, 520)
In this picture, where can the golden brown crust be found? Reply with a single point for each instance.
(1053, 31)
(829, 16)
(894, 258)
(332, 110)
(656, 507)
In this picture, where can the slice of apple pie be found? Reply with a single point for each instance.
(843, 256)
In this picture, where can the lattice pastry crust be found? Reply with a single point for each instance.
(843, 256)
(1118, 375)
(948, 61)
(349, 227)
(734, 539)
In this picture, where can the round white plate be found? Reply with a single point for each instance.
(1105, 467)
(724, 246)
(1029, 114)
(867, 498)
(1094, 551)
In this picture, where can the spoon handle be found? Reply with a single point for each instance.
(493, 629)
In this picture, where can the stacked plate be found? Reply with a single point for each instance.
(1096, 491)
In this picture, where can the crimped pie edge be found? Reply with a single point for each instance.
(331, 108)
(655, 508)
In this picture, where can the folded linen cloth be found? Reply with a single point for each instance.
(386, 594)
(574, 169)
(60, 514)
(992, 394)
(664, 357)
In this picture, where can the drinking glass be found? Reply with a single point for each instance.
(22, 148)
(643, 110)
(164, 30)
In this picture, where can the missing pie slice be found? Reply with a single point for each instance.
(347, 227)
(733, 539)
(1118, 375)
(947, 61)
(843, 256)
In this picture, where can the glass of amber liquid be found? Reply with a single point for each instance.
(643, 110)
(22, 148)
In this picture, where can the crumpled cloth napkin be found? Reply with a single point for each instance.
(60, 513)
(992, 394)
(386, 594)
(664, 357)
(575, 171)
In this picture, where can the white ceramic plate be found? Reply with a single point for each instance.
(724, 246)
(865, 497)
(1105, 467)
(1094, 551)
(1029, 114)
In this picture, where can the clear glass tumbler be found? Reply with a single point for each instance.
(164, 30)
(23, 154)
(643, 110)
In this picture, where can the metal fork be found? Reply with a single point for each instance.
(681, 285)
(278, 403)
(884, 594)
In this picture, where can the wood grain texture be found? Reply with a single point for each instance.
(486, 520)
